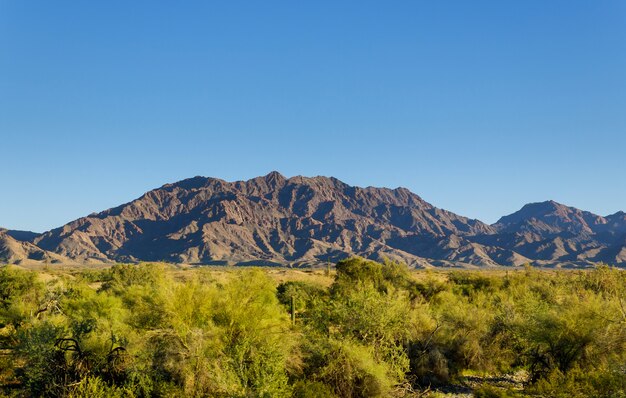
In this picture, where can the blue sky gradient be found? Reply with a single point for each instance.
(479, 107)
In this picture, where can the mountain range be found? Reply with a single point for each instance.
(301, 221)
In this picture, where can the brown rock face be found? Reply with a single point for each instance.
(271, 219)
(16, 251)
(304, 221)
(551, 218)
(552, 233)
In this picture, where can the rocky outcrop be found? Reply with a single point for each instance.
(305, 221)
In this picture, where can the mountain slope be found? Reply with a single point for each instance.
(270, 218)
(16, 251)
(551, 232)
(302, 221)
(548, 218)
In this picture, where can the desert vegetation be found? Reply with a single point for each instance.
(365, 329)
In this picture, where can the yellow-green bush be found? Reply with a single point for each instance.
(379, 330)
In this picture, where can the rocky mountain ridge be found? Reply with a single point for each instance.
(301, 221)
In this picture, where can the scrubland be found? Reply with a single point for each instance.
(363, 329)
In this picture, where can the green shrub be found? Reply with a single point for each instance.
(350, 370)
(487, 391)
(21, 296)
(312, 389)
(151, 331)
(44, 370)
(94, 387)
(578, 383)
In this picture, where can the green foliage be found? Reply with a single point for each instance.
(356, 270)
(42, 359)
(352, 371)
(255, 334)
(122, 276)
(429, 288)
(378, 320)
(578, 383)
(20, 296)
(379, 330)
(14, 284)
(94, 387)
(348, 368)
(312, 389)
(303, 293)
(470, 283)
(487, 391)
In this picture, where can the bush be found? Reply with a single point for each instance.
(578, 383)
(487, 391)
(150, 331)
(348, 368)
(20, 296)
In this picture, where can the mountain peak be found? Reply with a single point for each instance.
(619, 214)
(528, 211)
(550, 217)
(274, 177)
(269, 218)
(189, 183)
(547, 205)
(301, 220)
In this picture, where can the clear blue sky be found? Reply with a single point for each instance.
(477, 106)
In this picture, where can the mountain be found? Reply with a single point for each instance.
(548, 218)
(26, 236)
(270, 219)
(550, 232)
(300, 221)
(15, 249)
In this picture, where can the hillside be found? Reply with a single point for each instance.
(299, 221)
(550, 232)
(15, 251)
(270, 219)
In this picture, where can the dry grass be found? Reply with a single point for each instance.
(222, 274)
(279, 275)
